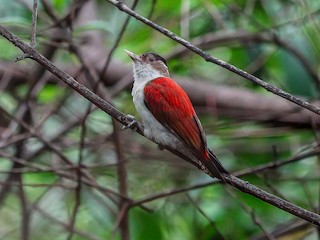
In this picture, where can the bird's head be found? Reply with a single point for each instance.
(148, 66)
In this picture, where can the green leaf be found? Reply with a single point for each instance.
(50, 93)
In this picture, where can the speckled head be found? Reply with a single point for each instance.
(150, 60)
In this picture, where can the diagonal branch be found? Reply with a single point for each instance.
(122, 118)
(208, 58)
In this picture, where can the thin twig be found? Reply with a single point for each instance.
(252, 214)
(258, 169)
(77, 192)
(65, 226)
(211, 222)
(34, 24)
(123, 188)
(116, 43)
(111, 194)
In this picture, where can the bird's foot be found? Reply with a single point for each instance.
(133, 124)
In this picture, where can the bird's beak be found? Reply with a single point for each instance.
(133, 56)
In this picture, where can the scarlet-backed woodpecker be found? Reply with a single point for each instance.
(167, 112)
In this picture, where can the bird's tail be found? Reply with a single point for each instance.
(214, 166)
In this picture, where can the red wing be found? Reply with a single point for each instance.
(171, 106)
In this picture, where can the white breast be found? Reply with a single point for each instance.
(153, 128)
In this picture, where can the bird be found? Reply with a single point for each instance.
(167, 113)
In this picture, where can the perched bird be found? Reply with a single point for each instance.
(167, 113)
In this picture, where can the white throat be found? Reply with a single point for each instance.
(144, 73)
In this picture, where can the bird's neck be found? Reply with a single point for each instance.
(144, 74)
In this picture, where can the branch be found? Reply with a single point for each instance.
(34, 23)
(35, 55)
(120, 117)
(231, 102)
(241, 104)
(254, 170)
(222, 38)
(123, 215)
(214, 60)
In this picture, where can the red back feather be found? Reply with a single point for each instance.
(171, 106)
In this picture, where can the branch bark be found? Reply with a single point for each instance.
(232, 102)
(207, 57)
(122, 118)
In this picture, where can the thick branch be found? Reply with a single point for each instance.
(217, 61)
(120, 117)
(232, 102)
(241, 104)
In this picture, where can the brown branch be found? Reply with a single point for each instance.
(111, 194)
(232, 102)
(116, 43)
(34, 23)
(252, 214)
(241, 104)
(20, 151)
(257, 169)
(222, 38)
(123, 188)
(85, 235)
(120, 117)
(277, 91)
(77, 192)
(49, 10)
(211, 222)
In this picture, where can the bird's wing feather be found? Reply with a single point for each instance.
(171, 106)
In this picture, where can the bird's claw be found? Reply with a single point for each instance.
(133, 124)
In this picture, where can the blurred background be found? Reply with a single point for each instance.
(68, 171)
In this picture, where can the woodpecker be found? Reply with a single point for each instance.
(167, 113)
